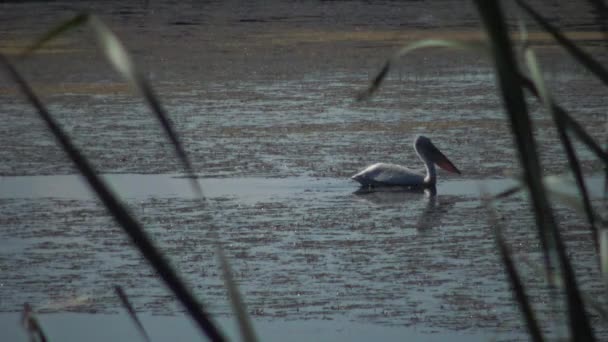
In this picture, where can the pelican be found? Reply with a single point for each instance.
(383, 174)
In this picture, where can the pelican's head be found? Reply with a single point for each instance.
(430, 152)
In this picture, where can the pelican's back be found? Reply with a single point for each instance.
(388, 174)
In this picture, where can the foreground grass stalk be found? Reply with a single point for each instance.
(120, 213)
(376, 82)
(560, 124)
(122, 62)
(512, 93)
(118, 55)
(131, 311)
(518, 287)
(604, 255)
(571, 124)
(509, 80)
(245, 326)
(31, 325)
(582, 57)
(120, 59)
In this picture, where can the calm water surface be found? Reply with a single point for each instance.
(262, 97)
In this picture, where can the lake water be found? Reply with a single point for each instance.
(263, 98)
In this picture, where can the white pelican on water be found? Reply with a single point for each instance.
(383, 174)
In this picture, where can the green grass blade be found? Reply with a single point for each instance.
(120, 213)
(518, 288)
(60, 29)
(245, 326)
(121, 60)
(131, 311)
(422, 44)
(581, 56)
(31, 325)
(573, 162)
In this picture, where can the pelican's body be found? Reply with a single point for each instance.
(383, 174)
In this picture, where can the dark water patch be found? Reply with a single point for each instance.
(252, 20)
(184, 23)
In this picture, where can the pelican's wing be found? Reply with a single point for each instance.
(388, 174)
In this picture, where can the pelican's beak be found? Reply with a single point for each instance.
(443, 161)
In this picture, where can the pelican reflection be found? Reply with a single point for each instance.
(436, 206)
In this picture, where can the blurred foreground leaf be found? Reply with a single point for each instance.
(245, 326)
(131, 311)
(509, 78)
(422, 44)
(581, 56)
(518, 288)
(120, 212)
(558, 118)
(31, 324)
(122, 62)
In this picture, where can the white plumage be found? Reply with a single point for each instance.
(383, 174)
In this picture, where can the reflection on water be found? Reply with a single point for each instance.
(436, 206)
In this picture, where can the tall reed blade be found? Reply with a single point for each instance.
(604, 255)
(601, 16)
(556, 188)
(131, 311)
(31, 325)
(417, 45)
(571, 124)
(575, 167)
(60, 29)
(582, 135)
(120, 212)
(581, 56)
(510, 84)
(122, 62)
(509, 79)
(120, 59)
(376, 82)
(245, 326)
(516, 283)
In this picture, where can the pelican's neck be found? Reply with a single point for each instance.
(431, 173)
